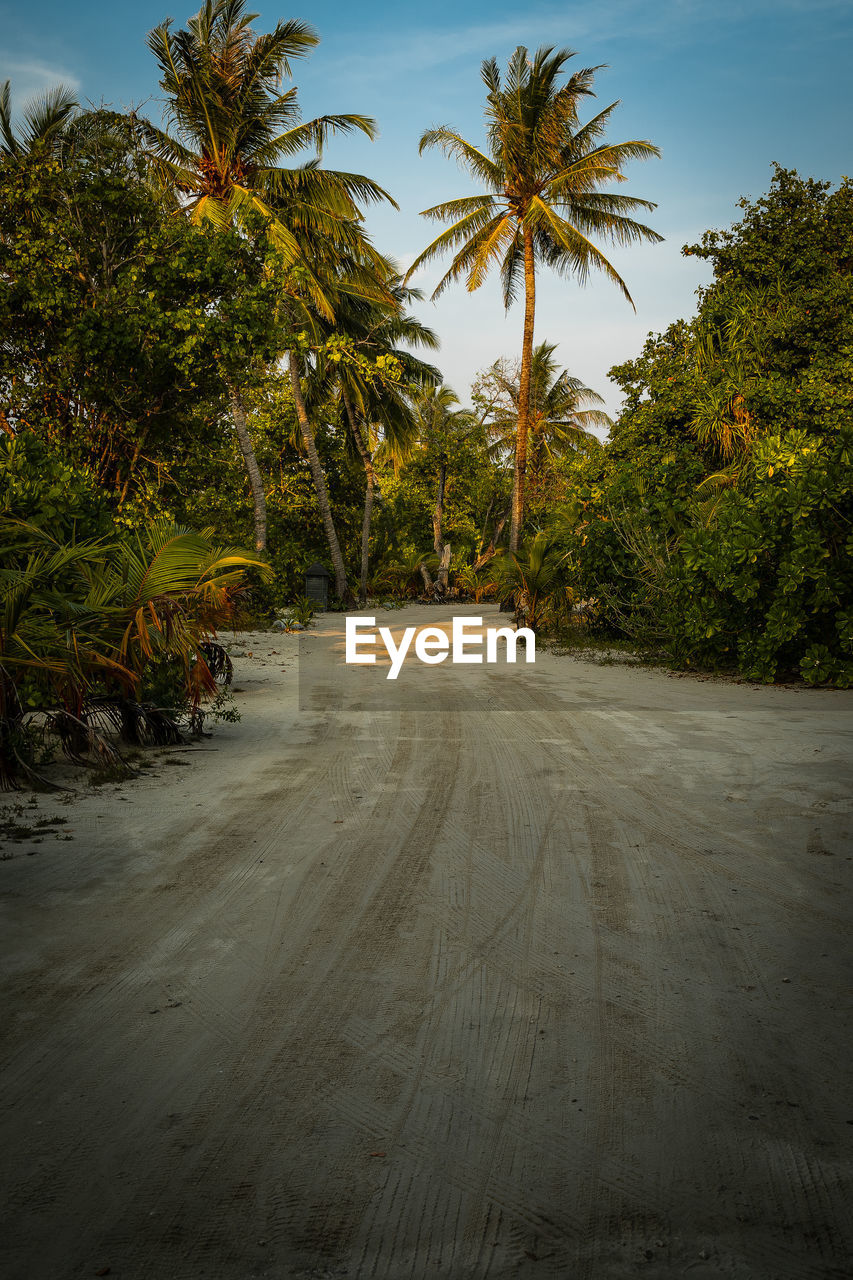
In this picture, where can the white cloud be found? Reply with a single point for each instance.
(30, 78)
(420, 49)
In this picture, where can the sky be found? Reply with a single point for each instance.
(724, 89)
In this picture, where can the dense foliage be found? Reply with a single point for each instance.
(718, 522)
(117, 318)
(196, 337)
(90, 627)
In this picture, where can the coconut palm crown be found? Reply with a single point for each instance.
(232, 127)
(563, 412)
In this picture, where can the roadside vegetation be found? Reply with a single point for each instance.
(210, 377)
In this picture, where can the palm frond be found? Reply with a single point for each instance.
(45, 120)
(457, 148)
(564, 247)
(460, 208)
(472, 224)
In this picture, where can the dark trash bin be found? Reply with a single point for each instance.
(317, 585)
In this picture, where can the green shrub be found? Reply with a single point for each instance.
(36, 486)
(717, 523)
(767, 585)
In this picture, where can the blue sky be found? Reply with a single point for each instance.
(723, 88)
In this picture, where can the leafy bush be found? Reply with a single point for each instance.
(769, 582)
(36, 486)
(717, 523)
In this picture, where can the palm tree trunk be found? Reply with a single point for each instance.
(365, 539)
(442, 550)
(342, 589)
(259, 497)
(438, 512)
(372, 489)
(523, 393)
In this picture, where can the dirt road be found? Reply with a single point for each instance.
(552, 985)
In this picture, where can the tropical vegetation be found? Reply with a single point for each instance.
(717, 525)
(91, 629)
(543, 171)
(203, 351)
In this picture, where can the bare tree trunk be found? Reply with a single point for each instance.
(428, 583)
(342, 589)
(491, 550)
(486, 522)
(523, 393)
(372, 489)
(129, 476)
(259, 498)
(438, 511)
(444, 569)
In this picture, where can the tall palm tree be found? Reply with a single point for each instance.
(542, 170)
(231, 128)
(345, 277)
(562, 411)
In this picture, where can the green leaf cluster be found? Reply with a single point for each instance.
(717, 523)
(120, 320)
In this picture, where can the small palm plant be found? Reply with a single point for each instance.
(476, 582)
(85, 622)
(412, 572)
(50, 638)
(531, 578)
(301, 610)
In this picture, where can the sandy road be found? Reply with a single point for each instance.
(552, 985)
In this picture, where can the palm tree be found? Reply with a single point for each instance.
(231, 129)
(374, 409)
(45, 121)
(562, 410)
(439, 422)
(542, 170)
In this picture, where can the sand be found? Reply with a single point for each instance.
(551, 984)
